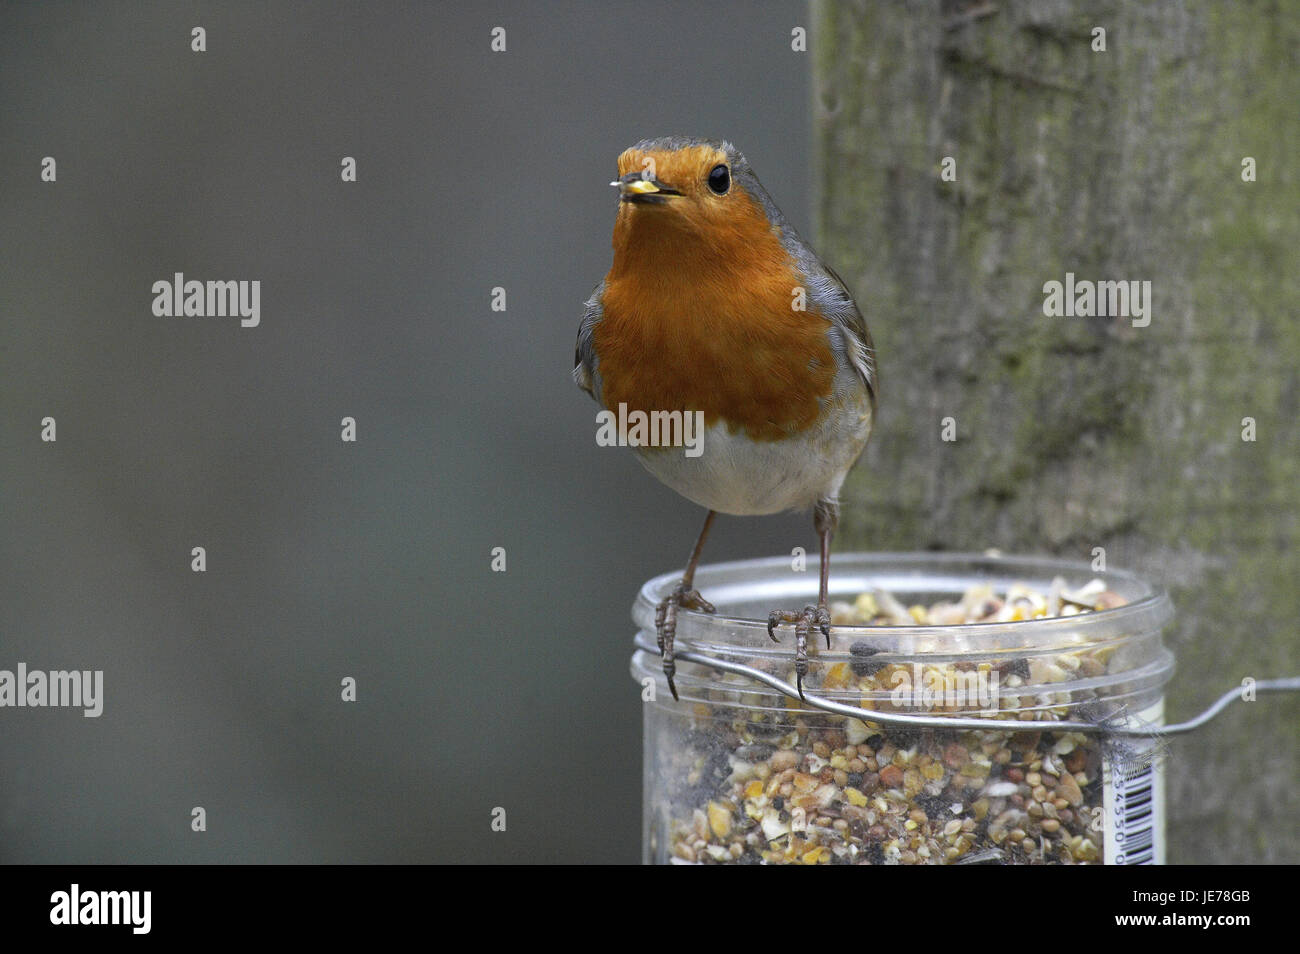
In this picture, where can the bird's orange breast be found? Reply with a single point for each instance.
(701, 317)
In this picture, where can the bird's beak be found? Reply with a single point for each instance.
(633, 187)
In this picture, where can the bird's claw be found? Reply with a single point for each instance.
(682, 597)
(804, 620)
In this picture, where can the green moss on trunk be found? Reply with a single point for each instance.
(1075, 433)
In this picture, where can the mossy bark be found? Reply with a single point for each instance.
(1075, 433)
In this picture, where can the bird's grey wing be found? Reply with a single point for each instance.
(832, 296)
(827, 290)
(584, 354)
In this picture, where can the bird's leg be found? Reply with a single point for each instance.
(684, 595)
(826, 516)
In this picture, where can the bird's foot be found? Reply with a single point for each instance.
(682, 597)
(804, 620)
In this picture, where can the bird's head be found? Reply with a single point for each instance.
(700, 187)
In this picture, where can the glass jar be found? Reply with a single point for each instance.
(739, 772)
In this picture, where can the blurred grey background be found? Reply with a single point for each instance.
(328, 559)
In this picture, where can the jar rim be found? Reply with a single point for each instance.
(1030, 671)
(772, 579)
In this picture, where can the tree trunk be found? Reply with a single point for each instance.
(1081, 432)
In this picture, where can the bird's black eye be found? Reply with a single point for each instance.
(719, 180)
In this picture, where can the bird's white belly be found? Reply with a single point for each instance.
(737, 475)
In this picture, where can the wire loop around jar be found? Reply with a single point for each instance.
(1288, 684)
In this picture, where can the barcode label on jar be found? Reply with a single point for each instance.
(1134, 798)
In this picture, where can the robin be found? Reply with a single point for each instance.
(715, 306)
